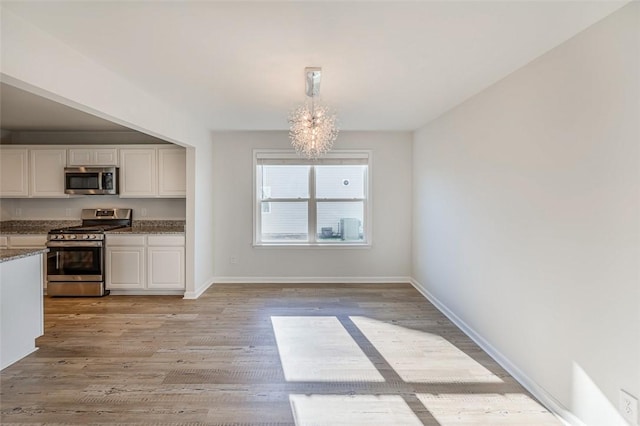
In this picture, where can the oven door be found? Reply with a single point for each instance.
(75, 261)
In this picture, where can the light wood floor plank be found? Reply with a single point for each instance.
(216, 361)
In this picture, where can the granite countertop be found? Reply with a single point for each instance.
(12, 254)
(167, 229)
(34, 226)
(44, 226)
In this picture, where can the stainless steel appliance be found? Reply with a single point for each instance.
(75, 262)
(91, 180)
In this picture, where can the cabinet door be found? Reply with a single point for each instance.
(80, 157)
(125, 268)
(138, 173)
(172, 179)
(27, 241)
(166, 268)
(93, 157)
(47, 172)
(106, 157)
(14, 176)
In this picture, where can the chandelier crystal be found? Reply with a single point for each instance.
(313, 128)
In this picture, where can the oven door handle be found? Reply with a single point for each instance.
(75, 244)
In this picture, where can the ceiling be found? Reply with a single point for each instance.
(21, 110)
(240, 65)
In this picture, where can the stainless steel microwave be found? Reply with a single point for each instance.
(91, 180)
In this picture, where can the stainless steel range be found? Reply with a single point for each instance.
(75, 262)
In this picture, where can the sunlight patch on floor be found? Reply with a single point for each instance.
(319, 349)
(487, 409)
(421, 357)
(351, 410)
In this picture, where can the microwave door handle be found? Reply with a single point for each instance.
(100, 180)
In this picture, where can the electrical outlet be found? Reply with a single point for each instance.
(233, 260)
(629, 407)
(67, 212)
(143, 212)
(18, 212)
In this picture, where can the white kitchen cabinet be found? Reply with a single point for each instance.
(14, 172)
(138, 173)
(125, 262)
(141, 263)
(21, 310)
(46, 173)
(92, 157)
(26, 241)
(165, 262)
(172, 163)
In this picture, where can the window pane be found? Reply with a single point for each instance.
(340, 221)
(286, 221)
(340, 181)
(285, 181)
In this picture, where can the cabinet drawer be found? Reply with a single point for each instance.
(125, 240)
(4, 242)
(166, 240)
(28, 241)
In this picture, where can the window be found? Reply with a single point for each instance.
(311, 202)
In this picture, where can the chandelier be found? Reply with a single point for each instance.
(312, 125)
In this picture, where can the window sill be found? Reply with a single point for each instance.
(312, 245)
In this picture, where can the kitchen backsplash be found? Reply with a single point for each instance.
(70, 208)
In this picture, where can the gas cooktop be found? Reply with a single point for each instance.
(82, 229)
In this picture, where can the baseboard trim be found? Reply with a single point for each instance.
(548, 400)
(192, 295)
(146, 292)
(311, 280)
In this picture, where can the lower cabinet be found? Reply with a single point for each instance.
(145, 262)
(27, 241)
(125, 268)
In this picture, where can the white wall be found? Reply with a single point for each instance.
(70, 208)
(388, 258)
(527, 217)
(32, 60)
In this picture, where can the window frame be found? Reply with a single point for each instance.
(335, 157)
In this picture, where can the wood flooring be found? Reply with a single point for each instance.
(261, 354)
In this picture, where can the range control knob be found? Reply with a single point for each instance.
(73, 237)
(85, 237)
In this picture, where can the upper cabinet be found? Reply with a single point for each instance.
(153, 172)
(92, 157)
(138, 169)
(145, 171)
(47, 173)
(172, 172)
(32, 172)
(14, 172)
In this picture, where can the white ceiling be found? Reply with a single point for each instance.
(21, 110)
(386, 65)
